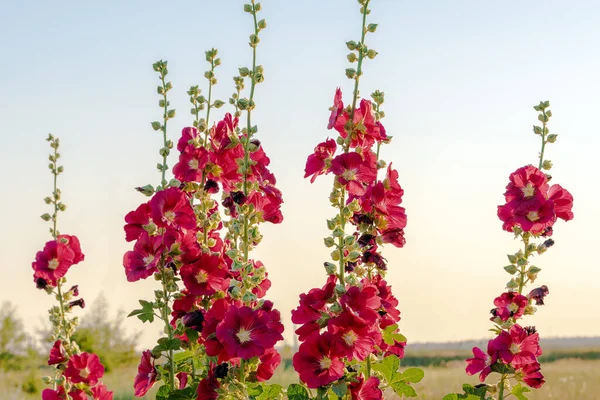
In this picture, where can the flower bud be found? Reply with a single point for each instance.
(511, 269)
(551, 138)
(147, 190)
(330, 268)
(547, 164)
(329, 241)
(46, 217)
(78, 302)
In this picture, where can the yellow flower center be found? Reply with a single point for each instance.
(349, 338)
(53, 264)
(193, 164)
(170, 216)
(84, 373)
(325, 363)
(515, 348)
(533, 216)
(243, 336)
(201, 277)
(528, 191)
(349, 175)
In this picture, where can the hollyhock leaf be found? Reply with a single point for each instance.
(163, 393)
(390, 336)
(389, 368)
(188, 393)
(413, 375)
(340, 389)
(270, 392)
(518, 391)
(297, 392)
(167, 344)
(255, 390)
(403, 389)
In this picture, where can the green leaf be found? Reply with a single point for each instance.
(403, 389)
(146, 313)
(182, 356)
(389, 368)
(413, 375)
(163, 393)
(340, 389)
(454, 396)
(297, 392)
(189, 393)
(192, 335)
(255, 390)
(518, 391)
(167, 344)
(270, 392)
(391, 335)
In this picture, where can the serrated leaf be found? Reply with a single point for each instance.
(297, 392)
(167, 344)
(403, 389)
(389, 368)
(413, 375)
(163, 393)
(255, 390)
(391, 335)
(340, 389)
(182, 356)
(270, 392)
(188, 393)
(518, 391)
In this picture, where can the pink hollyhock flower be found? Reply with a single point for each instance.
(142, 261)
(246, 333)
(49, 394)
(354, 172)
(517, 347)
(269, 204)
(191, 164)
(84, 368)
(259, 170)
(527, 184)
(206, 276)
(532, 376)
(316, 162)
(172, 209)
(146, 376)
(213, 317)
(58, 354)
(72, 242)
(481, 362)
(509, 305)
(184, 305)
(388, 311)
(366, 130)
(534, 216)
(394, 236)
(182, 377)
(336, 110)
(100, 392)
(352, 337)
(135, 221)
(313, 303)
(563, 202)
(269, 361)
(187, 134)
(397, 348)
(368, 390)
(222, 132)
(53, 262)
(315, 362)
(207, 388)
(538, 295)
(363, 302)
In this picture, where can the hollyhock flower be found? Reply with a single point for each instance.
(220, 134)
(509, 305)
(517, 347)
(49, 394)
(213, 317)
(366, 131)
(481, 362)
(563, 202)
(84, 368)
(396, 349)
(315, 362)
(100, 392)
(191, 164)
(538, 295)
(368, 390)
(221, 370)
(268, 204)
(352, 337)
(316, 162)
(527, 184)
(72, 242)
(364, 302)
(534, 216)
(58, 354)
(258, 167)
(388, 311)
(207, 388)
(206, 276)
(336, 110)
(394, 236)
(313, 303)
(194, 320)
(182, 377)
(188, 134)
(146, 376)
(142, 261)
(531, 375)
(53, 262)
(171, 208)
(135, 221)
(245, 332)
(354, 172)
(184, 304)
(269, 361)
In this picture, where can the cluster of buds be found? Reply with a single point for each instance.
(212, 298)
(531, 209)
(350, 341)
(77, 375)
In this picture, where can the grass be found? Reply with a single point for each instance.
(566, 379)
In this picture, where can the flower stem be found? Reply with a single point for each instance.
(522, 271)
(501, 389)
(163, 181)
(361, 56)
(165, 312)
(341, 238)
(544, 133)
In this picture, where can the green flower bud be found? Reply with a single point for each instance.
(156, 125)
(372, 54)
(511, 269)
(547, 164)
(46, 217)
(262, 24)
(330, 268)
(329, 241)
(351, 57)
(351, 45)
(171, 114)
(248, 8)
(551, 138)
(47, 200)
(372, 28)
(218, 104)
(350, 73)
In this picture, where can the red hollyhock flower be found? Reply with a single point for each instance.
(481, 362)
(509, 305)
(207, 388)
(315, 362)
(49, 394)
(269, 204)
(311, 305)
(394, 236)
(368, 390)
(246, 333)
(316, 162)
(142, 261)
(100, 392)
(206, 276)
(187, 134)
(517, 347)
(182, 377)
(364, 302)
(352, 337)
(146, 376)
(171, 208)
(191, 164)
(72, 242)
(538, 295)
(388, 311)
(527, 184)
(57, 354)
(533, 216)
(354, 172)
(366, 130)
(336, 111)
(135, 221)
(53, 262)
(84, 368)
(258, 168)
(563, 202)
(269, 362)
(532, 376)
(213, 317)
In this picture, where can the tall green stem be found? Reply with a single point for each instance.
(544, 133)
(165, 312)
(501, 389)
(163, 181)
(361, 56)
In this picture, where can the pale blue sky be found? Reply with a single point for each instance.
(460, 78)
